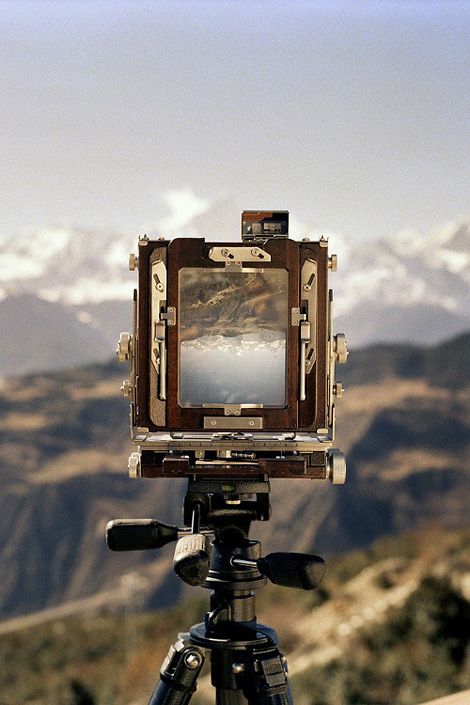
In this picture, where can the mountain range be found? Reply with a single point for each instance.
(65, 293)
(403, 423)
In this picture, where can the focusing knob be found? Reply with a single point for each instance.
(123, 350)
(336, 467)
(340, 348)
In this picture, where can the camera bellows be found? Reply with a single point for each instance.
(296, 570)
(191, 561)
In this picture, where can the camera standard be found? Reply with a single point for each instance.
(232, 356)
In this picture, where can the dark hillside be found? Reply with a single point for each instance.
(64, 449)
(446, 365)
(42, 334)
(388, 625)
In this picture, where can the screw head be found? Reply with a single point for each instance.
(193, 660)
(238, 667)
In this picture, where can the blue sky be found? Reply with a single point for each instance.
(354, 116)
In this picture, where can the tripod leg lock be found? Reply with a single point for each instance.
(260, 674)
(179, 673)
(271, 677)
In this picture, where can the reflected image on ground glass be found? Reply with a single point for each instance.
(232, 336)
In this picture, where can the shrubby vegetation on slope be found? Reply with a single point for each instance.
(412, 652)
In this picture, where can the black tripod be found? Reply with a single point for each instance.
(247, 667)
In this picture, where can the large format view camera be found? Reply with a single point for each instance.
(232, 382)
(232, 357)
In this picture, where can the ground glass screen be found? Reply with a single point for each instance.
(232, 336)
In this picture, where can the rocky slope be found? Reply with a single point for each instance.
(388, 624)
(63, 453)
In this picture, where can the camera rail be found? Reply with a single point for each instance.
(316, 465)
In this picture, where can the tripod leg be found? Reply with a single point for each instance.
(230, 697)
(178, 674)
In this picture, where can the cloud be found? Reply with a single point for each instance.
(184, 205)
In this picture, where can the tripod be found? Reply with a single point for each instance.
(247, 667)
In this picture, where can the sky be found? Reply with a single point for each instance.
(354, 116)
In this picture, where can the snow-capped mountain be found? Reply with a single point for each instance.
(68, 265)
(412, 287)
(408, 270)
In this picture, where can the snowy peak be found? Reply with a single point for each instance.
(69, 265)
(79, 267)
(408, 270)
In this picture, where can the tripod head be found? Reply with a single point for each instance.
(247, 666)
(224, 509)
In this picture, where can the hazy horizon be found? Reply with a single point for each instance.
(353, 116)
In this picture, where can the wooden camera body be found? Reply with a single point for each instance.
(232, 356)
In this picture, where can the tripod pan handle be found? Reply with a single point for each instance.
(296, 570)
(138, 534)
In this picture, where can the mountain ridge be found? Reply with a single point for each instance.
(64, 448)
(411, 287)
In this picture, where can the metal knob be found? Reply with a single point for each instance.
(336, 467)
(333, 263)
(338, 390)
(123, 350)
(340, 348)
(126, 388)
(134, 464)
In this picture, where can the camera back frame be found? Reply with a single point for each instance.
(291, 439)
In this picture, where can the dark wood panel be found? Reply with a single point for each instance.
(312, 412)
